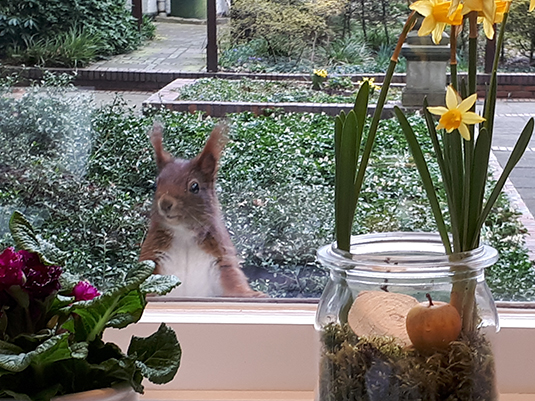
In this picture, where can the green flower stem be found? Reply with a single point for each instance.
(463, 298)
(453, 159)
(468, 148)
(463, 292)
(490, 104)
(479, 172)
(472, 53)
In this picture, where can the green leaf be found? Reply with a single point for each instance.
(445, 171)
(9, 348)
(479, 172)
(22, 232)
(158, 356)
(21, 297)
(14, 362)
(25, 238)
(426, 177)
(117, 307)
(54, 349)
(361, 104)
(347, 165)
(453, 159)
(490, 99)
(79, 350)
(158, 284)
(434, 138)
(468, 149)
(123, 370)
(16, 396)
(338, 127)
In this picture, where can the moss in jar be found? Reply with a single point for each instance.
(377, 368)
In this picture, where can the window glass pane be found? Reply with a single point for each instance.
(85, 175)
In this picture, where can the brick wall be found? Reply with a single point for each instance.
(511, 85)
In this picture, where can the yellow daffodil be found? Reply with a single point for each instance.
(453, 6)
(532, 5)
(502, 6)
(486, 10)
(456, 114)
(321, 73)
(371, 82)
(437, 16)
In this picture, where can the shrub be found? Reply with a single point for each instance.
(286, 28)
(521, 30)
(70, 49)
(348, 50)
(27, 22)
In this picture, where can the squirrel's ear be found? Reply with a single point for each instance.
(156, 137)
(208, 159)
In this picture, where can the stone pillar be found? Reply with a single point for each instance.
(426, 70)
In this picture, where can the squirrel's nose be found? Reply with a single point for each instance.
(165, 204)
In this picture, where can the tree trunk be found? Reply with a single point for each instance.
(490, 51)
(363, 19)
(385, 25)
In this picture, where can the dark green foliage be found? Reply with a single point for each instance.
(502, 230)
(356, 36)
(348, 50)
(378, 22)
(521, 29)
(39, 25)
(247, 90)
(363, 369)
(343, 36)
(74, 48)
(286, 27)
(338, 89)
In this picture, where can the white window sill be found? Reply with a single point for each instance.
(269, 351)
(170, 395)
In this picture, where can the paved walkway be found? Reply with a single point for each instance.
(181, 47)
(177, 47)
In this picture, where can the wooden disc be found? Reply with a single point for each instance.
(381, 313)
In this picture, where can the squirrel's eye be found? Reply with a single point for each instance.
(194, 187)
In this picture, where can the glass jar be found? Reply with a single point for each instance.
(367, 352)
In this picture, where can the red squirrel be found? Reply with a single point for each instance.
(187, 236)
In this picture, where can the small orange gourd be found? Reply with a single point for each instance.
(433, 325)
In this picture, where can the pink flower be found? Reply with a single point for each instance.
(41, 280)
(84, 291)
(11, 264)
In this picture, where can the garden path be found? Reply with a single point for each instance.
(176, 47)
(181, 47)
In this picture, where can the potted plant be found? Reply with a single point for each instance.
(409, 316)
(52, 324)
